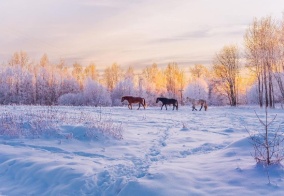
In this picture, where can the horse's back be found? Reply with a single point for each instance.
(133, 99)
(167, 101)
(127, 97)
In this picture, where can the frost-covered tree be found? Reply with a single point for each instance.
(197, 89)
(153, 84)
(20, 59)
(171, 73)
(75, 99)
(263, 55)
(279, 61)
(26, 88)
(78, 73)
(95, 94)
(252, 93)
(129, 74)
(112, 75)
(5, 86)
(91, 72)
(125, 87)
(226, 67)
(69, 85)
(42, 87)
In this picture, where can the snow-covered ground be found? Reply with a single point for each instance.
(161, 152)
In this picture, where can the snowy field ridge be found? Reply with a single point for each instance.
(116, 151)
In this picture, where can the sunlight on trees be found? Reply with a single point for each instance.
(264, 57)
(260, 81)
(112, 75)
(20, 58)
(199, 71)
(198, 88)
(226, 67)
(91, 72)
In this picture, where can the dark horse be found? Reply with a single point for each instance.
(131, 100)
(167, 101)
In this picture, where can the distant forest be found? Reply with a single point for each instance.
(252, 76)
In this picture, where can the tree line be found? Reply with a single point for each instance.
(252, 76)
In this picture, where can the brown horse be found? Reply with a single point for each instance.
(196, 102)
(131, 100)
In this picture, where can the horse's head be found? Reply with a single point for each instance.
(122, 99)
(189, 99)
(158, 99)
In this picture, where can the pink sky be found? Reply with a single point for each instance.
(129, 32)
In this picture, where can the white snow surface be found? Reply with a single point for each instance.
(163, 152)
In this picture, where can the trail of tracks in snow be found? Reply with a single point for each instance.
(160, 127)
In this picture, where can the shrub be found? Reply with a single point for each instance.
(268, 144)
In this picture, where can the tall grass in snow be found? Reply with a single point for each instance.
(41, 121)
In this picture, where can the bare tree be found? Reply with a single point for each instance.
(172, 73)
(279, 60)
(261, 45)
(91, 72)
(226, 67)
(78, 73)
(181, 83)
(155, 79)
(20, 58)
(112, 75)
(199, 71)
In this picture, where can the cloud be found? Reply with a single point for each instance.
(184, 61)
(136, 32)
(104, 3)
(205, 32)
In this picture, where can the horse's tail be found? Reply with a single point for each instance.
(144, 102)
(205, 105)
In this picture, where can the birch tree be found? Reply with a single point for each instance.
(226, 67)
(261, 45)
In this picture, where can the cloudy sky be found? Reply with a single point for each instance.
(128, 32)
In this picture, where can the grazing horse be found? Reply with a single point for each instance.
(167, 101)
(131, 100)
(196, 102)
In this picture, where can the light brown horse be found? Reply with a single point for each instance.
(131, 100)
(196, 102)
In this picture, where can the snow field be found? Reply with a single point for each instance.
(162, 152)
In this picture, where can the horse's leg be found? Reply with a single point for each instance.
(129, 106)
(162, 106)
(139, 106)
(166, 106)
(201, 107)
